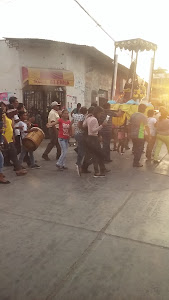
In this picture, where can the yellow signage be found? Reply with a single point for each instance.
(47, 77)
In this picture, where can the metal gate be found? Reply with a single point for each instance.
(38, 98)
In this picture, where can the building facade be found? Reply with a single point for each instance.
(160, 88)
(41, 71)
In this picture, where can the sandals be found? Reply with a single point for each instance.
(21, 172)
(3, 180)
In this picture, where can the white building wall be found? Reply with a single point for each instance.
(76, 63)
(99, 77)
(10, 76)
(90, 74)
(56, 56)
(41, 54)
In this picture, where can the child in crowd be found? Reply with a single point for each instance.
(121, 133)
(63, 137)
(151, 139)
(121, 139)
(127, 138)
(22, 125)
(17, 134)
(115, 136)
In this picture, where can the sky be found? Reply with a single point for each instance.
(64, 20)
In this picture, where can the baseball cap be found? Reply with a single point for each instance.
(55, 103)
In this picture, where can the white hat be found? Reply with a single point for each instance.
(55, 103)
(12, 110)
(16, 117)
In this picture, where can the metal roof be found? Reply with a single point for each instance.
(136, 45)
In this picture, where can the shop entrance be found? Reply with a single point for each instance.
(103, 97)
(39, 98)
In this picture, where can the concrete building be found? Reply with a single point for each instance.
(41, 71)
(160, 88)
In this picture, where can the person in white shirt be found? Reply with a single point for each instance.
(17, 134)
(24, 130)
(152, 137)
(53, 131)
(93, 143)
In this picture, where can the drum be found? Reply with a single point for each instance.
(33, 139)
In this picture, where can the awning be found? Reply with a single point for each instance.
(136, 45)
(51, 77)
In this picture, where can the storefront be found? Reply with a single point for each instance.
(41, 71)
(43, 86)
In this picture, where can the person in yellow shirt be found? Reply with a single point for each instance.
(8, 130)
(3, 180)
(10, 146)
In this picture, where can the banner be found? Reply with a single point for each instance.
(50, 77)
(4, 97)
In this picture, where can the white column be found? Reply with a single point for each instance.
(115, 75)
(150, 79)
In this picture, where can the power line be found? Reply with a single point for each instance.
(95, 21)
(98, 24)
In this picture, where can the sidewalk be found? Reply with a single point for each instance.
(70, 238)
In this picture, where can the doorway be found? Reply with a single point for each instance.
(103, 97)
(40, 98)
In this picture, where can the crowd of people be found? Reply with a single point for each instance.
(151, 128)
(93, 131)
(14, 126)
(87, 126)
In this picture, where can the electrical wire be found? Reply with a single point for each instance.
(95, 21)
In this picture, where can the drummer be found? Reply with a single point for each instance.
(22, 125)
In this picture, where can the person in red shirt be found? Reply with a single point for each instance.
(63, 137)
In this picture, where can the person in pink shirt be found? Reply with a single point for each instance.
(91, 122)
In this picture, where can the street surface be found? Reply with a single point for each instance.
(68, 238)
